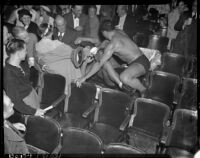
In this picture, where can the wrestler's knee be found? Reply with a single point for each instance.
(125, 78)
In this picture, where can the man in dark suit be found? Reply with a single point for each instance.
(124, 21)
(63, 32)
(77, 20)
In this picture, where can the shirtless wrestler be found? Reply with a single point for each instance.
(123, 47)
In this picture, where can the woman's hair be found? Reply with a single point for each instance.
(14, 45)
(45, 30)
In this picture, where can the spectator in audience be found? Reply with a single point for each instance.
(45, 16)
(63, 32)
(163, 9)
(13, 141)
(93, 21)
(181, 42)
(106, 12)
(25, 18)
(16, 80)
(65, 9)
(173, 17)
(14, 17)
(30, 40)
(6, 36)
(93, 36)
(124, 21)
(55, 56)
(78, 20)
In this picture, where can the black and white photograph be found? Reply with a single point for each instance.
(101, 80)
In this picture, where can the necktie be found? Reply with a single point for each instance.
(60, 36)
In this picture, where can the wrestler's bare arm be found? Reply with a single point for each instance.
(108, 52)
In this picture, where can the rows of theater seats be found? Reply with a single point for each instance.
(102, 120)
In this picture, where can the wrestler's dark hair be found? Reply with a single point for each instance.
(107, 26)
(14, 45)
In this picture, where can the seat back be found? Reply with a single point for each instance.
(81, 98)
(113, 105)
(54, 86)
(173, 63)
(80, 141)
(188, 99)
(183, 131)
(162, 87)
(158, 43)
(43, 133)
(120, 148)
(150, 116)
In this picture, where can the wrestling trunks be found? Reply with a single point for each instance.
(143, 60)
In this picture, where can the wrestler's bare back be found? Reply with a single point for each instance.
(124, 47)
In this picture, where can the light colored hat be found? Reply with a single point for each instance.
(45, 8)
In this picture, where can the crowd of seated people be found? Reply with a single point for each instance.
(44, 38)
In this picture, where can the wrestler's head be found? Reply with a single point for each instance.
(106, 29)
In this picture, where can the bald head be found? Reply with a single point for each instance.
(20, 33)
(60, 23)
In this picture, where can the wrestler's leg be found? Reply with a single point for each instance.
(114, 76)
(130, 74)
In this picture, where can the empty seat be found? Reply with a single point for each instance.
(43, 133)
(188, 98)
(162, 87)
(111, 117)
(120, 148)
(80, 100)
(80, 141)
(173, 63)
(182, 137)
(158, 43)
(148, 124)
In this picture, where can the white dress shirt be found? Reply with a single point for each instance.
(76, 21)
(121, 22)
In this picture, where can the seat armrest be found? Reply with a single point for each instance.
(55, 103)
(125, 123)
(90, 109)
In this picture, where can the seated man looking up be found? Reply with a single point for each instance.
(16, 80)
(123, 47)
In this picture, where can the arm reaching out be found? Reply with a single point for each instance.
(96, 67)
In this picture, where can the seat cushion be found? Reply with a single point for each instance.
(142, 141)
(107, 133)
(73, 120)
(178, 153)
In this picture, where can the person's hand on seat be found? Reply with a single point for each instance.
(40, 112)
(79, 82)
